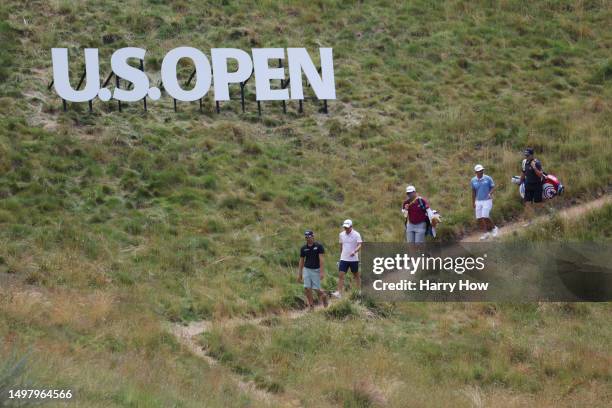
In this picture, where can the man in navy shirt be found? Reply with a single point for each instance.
(311, 268)
(533, 177)
(482, 201)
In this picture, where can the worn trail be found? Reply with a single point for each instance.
(566, 214)
(187, 334)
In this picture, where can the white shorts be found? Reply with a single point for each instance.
(483, 208)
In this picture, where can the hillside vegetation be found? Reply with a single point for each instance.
(112, 224)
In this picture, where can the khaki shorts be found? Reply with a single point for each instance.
(312, 278)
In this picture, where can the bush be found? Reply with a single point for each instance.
(341, 310)
(603, 74)
(7, 37)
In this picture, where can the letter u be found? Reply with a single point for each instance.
(61, 77)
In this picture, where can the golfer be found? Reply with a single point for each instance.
(311, 268)
(482, 201)
(533, 177)
(415, 209)
(350, 244)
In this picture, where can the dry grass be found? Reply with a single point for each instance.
(113, 223)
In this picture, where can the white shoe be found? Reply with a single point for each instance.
(528, 223)
(337, 294)
(485, 236)
(495, 231)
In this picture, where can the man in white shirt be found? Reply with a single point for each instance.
(350, 244)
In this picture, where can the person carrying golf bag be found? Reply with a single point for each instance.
(533, 178)
(416, 210)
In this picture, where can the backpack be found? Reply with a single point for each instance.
(428, 227)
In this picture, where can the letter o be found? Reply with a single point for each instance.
(203, 74)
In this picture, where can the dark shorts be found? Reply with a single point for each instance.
(533, 193)
(344, 266)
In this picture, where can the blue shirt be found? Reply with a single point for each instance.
(482, 187)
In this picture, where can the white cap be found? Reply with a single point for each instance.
(347, 223)
(410, 189)
(478, 167)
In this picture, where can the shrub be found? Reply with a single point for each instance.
(341, 310)
(603, 74)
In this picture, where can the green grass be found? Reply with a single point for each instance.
(498, 350)
(473, 76)
(151, 217)
(594, 226)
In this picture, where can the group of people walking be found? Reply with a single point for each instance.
(311, 270)
(420, 220)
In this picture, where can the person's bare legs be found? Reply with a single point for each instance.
(539, 207)
(528, 214)
(308, 292)
(483, 224)
(357, 278)
(489, 224)
(322, 297)
(533, 209)
(341, 282)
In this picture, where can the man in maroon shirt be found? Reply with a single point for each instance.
(414, 209)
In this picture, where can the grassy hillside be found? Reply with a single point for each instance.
(122, 221)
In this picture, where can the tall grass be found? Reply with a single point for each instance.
(122, 220)
(13, 378)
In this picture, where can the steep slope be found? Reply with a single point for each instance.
(128, 219)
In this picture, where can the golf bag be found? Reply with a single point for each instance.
(551, 187)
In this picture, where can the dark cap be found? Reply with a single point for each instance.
(528, 151)
(308, 233)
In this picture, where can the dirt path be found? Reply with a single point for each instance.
(187, 334)
(566, 214)
(187, 337)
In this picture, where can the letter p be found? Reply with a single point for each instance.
(224, 78)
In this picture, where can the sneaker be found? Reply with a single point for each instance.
(528, 223)
(337, 294)
(485, 236)
(495, 231)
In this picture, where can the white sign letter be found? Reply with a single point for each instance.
(203, 74)
(263, 74)
(224, 78)
(122, 69)
(61, 76)
(323, 86)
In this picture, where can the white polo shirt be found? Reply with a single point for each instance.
(349, 244)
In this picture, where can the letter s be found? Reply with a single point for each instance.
(480, 262)
(121, 68)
